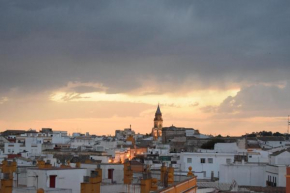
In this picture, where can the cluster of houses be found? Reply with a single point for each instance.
(236, 163)
(54, 161)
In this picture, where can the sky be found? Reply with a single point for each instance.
(222, 67)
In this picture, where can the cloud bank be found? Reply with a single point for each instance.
(141, 48)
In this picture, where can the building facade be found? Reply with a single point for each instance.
(205, 165)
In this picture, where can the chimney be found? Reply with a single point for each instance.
(78, 165)
(170, 174)
(128, 173)
(100, 172)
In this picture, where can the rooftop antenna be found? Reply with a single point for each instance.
(288, 125)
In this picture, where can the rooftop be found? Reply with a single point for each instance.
(271, 138)
(56, 168)
(279, 152)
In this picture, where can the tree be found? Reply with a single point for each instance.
(277, 134)
(210, 144)
(252, 135)
(265, 133)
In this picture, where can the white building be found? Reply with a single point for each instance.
(258, 172)
(107, 144)
(160, 149)
(33, 140)
(81, 141)
(76, 134)
(111, 172)
(205, 165)
(243, 173)
(272, 142)
(275, 175)
(258, 156)
(62, 178)
(60, 137)
(227, 148)
(32, 149)
(280, 158)
(276, 170)
(32, 145)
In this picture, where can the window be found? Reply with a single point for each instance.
(210, 160)
(202, 160)
(229, 161)
(189, 160)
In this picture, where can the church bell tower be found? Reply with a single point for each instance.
(158, 123)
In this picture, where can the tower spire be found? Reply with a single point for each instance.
(158, 110)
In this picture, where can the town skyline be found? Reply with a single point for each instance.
(130, 126)
(144, 96)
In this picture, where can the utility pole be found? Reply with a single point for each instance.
(288, 125)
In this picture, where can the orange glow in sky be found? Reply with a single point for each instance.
(101, 113)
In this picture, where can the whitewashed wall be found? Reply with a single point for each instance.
(205, 168)
(247, 174)
(66, 178)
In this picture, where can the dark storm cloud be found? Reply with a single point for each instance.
(46, 44)
(255, 101)
(259, 98)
